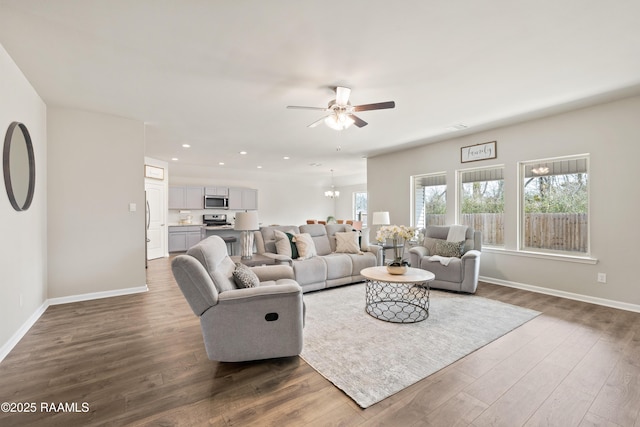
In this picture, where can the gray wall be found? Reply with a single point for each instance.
(95, 243)
(609, 132)
(23, 257)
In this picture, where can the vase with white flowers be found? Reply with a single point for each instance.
(398, 234)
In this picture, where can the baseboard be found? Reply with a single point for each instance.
(15, 339)
(562, 294)
(98, 295)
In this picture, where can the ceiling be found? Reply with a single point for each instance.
(218, 75)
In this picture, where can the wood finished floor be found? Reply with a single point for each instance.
(140, 360)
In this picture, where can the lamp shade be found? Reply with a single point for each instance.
(381, 218)
(246, 221)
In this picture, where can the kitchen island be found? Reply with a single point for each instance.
(183, 236)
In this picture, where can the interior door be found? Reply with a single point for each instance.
(156, 220)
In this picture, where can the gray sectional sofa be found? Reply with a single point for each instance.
(329, 268)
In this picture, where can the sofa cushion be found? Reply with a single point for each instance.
(212, 254)
(312, 270)
(347, 242)
(449, 249)
(306, 246)
(448, 273)
(320, 237)
(244, 277)
(361, 261)
(338, 266)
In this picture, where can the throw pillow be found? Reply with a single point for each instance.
(449, 249)
(347, 242)
(305, 245)
(364, 239)
(244, 277)
(285, 244)
(430, 244)
(294, 248)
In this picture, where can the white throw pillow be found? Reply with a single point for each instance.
(347, 242)
(283, 245)
(364, 239)
(305, 245)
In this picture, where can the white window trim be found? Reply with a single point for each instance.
(412, 196)
(546, 253)
(353, 203)
(541, 255)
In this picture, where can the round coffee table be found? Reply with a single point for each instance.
(402, 298)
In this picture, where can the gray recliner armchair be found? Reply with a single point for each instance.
(460, 274)
(240, 324)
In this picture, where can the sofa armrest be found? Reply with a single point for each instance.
(280, 259)
(273, 272)
(472, 254)
(377, 251)
(268, 291)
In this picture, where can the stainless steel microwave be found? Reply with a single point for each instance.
(216, 202)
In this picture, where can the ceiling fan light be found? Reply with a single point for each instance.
(338, 121)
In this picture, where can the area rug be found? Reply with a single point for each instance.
(370, 359)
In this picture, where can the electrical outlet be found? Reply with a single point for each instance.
(602, 277)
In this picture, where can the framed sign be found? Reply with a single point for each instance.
(153, 172)
(473, 153)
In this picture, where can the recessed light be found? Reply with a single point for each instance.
(286, 157)
(175, 159)
(221, 163)
(259, 167)
(186, 145)
(243, 152)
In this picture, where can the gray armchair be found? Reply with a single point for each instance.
(240, 324)
(461, 274)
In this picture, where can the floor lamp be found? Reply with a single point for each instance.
(246, 222)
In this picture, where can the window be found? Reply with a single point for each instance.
(481, 204)
(555, 204)
(360, 207)
(429, 199)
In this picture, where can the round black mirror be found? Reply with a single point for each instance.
(19, 166)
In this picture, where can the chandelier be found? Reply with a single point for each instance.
(333, 193)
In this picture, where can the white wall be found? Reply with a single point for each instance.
(23, 257)
(95, 171)
(344, 204)
(609, 132)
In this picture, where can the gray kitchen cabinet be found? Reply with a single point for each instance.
(186, 197)
(243, 199)
(182, 238)
(216, 191)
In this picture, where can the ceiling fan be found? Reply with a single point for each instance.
(341, 111)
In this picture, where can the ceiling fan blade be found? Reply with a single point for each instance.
(342, 95)
(297, 107)
(317, 122)
(376, 106)
(357, 121)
